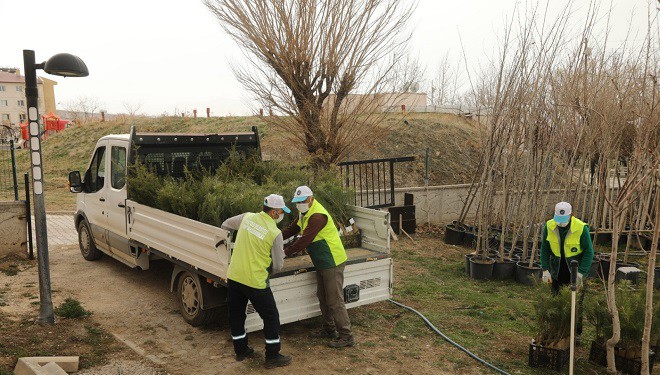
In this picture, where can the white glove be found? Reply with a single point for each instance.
(546, 277)
(579, 279)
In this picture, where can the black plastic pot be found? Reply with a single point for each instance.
(467, 263)
(656, 280)
(454, 234)
(504, 270)
(481, 269)
(470, 239)
(526, 275)
(603, 239)
(604, 268)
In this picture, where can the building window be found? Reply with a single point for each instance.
(19, 88)
(5, 117)
(2, 88)
(22, 117)
(21, 103)
(3, 103)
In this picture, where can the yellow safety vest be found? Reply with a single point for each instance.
(326, 250)
(571, 242)
(251, 257)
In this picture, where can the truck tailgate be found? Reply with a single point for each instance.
(200, 245)
(296, 299)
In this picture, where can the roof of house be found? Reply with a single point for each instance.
(6, 77)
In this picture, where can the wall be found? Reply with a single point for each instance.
(13, 228)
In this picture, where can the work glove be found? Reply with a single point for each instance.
(546, 277)
(579, 280)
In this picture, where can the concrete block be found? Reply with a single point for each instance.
(13, 228)
(628, 273)
(46, 365)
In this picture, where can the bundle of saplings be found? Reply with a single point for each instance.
(238, 185)
(553, 315)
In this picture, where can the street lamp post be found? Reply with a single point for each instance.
(63, 65)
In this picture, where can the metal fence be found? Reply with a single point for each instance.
(8, 180)
(372, 180)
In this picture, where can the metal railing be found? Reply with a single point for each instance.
(8, 180)
(372, 180)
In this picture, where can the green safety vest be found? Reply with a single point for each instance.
(571, 242)
(251, 257)
(326, 250)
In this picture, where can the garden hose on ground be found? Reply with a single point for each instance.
(447, 338)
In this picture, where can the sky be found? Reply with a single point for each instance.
(172, 56)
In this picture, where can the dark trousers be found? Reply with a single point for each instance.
(566, 281)
(264, 303)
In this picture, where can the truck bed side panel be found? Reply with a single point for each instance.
(200, 245)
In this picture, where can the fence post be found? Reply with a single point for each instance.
(13, 168)
(28, 213)
(392, 182)
(426, 176)
(208, 112)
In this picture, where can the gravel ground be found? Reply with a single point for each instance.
(121, 367)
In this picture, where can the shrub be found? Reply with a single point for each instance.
(553, 316)
(71, 308)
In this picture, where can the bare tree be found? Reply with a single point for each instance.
(307, 58)
(132, 108)
(82, 108)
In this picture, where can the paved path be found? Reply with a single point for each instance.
(61, 230)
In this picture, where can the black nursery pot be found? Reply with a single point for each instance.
(481, 269)
(454, 234)
(656, 281)
(504, 270)
(470, 239)
(595, 265)
(467, 263)
(526, 275)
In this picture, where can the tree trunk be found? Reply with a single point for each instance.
(611, 299)
(650, 278)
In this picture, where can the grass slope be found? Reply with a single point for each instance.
(453, 142)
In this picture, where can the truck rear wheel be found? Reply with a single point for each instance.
(190, 301)
(86, 243)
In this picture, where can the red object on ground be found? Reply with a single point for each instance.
(50, 121)
(25, 132)
(61, 124)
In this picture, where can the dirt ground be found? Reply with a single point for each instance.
(137, 308)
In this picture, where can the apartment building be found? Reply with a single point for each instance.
(13, 106)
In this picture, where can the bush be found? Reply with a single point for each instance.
(71, 308)
(237, 186)
(553, 316)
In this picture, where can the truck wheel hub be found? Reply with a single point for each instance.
(189, 296)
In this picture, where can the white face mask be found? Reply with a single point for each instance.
(302, 207)
(279, 219)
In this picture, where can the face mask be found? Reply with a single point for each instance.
(279, 219)
(302, 207)
(563, 225)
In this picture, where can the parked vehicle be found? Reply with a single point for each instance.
(136, 234)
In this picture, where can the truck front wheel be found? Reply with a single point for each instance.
(86, 242)
(190, 301)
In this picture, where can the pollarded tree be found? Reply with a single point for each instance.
(307, 57)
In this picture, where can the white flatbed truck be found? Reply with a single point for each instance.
(136, 234)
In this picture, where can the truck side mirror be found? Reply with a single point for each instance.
(75, 183)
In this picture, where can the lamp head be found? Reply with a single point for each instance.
(66, 65)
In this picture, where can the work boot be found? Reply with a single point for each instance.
(578, 340)
(279, 361)
(343, 342)
(248, 353)
(324, 334)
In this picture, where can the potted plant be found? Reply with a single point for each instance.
(550, 347)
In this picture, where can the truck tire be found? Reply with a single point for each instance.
(190, 296)
(86, 242)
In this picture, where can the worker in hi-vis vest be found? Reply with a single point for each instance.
(566, 238)
(258, 253)
(320, 237)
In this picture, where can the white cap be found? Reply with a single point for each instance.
(302, 192)
(276, 201)
(563, 211)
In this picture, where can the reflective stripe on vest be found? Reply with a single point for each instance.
(251, 257)
(571, 242)
(326, 250)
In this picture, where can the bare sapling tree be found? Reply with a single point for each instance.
(650, 278)
(82, 108)
(306, 59)
(132, 108)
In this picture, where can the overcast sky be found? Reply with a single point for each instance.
(172, 55)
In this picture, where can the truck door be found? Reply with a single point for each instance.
(116, 199)
(95, 195)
